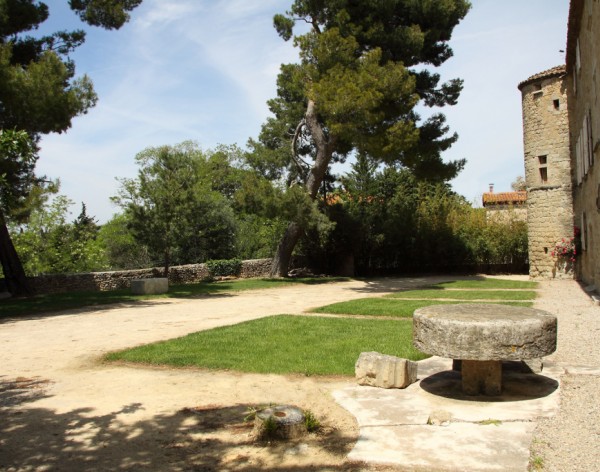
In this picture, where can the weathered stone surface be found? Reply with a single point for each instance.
(484, 332)
(380, 370)
(534, 366)
(481, 377)
(439, 418)
(281, 422)
(150, 286)
(115, 280)
(547, 172)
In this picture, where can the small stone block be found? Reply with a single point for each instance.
(482, 377)
(534, 366)
(150, 286)
(380, 370)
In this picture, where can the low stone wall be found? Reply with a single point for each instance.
(103, 281)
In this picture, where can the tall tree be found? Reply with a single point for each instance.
(356, 88)
(173, 210)
(39, 92)
(18, 155)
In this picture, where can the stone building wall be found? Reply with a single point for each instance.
(505, 213)
(583, 85)
(102, 281)
(549, 219)
(547, 170)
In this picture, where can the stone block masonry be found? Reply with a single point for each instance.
(547, 171)
(150, 286)
(104, 281)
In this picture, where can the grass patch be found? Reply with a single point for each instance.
(490, 284)
(64, 301)
(387, 307)
(281, 344)
(466, 295)
(376, 307)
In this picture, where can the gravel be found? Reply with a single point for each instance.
(570, 441)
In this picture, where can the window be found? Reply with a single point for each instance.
(556, 104)
(584, 148)
(543, 163)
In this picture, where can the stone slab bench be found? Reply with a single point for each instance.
(150, 286)
(482, 336)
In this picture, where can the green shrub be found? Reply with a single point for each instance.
(224, 267)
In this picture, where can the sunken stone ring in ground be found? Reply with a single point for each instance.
(482, 336)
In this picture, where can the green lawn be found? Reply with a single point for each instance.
(376, 307)
(487, 283)
(65, 301)
(386, 307)
(313, 345)
(281, 344)
(465, 295)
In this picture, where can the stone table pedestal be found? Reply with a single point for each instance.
(482, 336)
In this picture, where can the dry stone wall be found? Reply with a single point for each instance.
(103, 281)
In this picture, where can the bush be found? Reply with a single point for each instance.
(224, 267)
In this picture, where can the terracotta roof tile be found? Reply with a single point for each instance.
(554, 72)
(505, 198)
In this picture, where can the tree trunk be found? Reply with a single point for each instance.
(324, 146)
(167, 263)
(281, 261)
(14, 275)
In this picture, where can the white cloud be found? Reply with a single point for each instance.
(204, 69)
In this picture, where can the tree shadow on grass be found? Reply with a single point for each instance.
(208, 438)
(394, 284)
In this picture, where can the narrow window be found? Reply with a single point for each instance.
(556, 104)
(543, 163)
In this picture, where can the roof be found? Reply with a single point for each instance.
(557, 71)
(505, 198)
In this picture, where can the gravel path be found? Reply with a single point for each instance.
(570, 441)
(62, 410)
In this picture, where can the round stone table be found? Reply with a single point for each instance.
(482, 336)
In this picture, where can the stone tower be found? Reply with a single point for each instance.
(547, 170)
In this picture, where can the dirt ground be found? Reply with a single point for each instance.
(62, 409)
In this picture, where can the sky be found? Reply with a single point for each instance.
(203, 70)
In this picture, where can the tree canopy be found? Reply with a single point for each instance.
(364, 67)
(173, 208)
(40, 93)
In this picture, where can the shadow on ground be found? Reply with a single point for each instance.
(208, 438)
(516, 386)
(392, 284)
